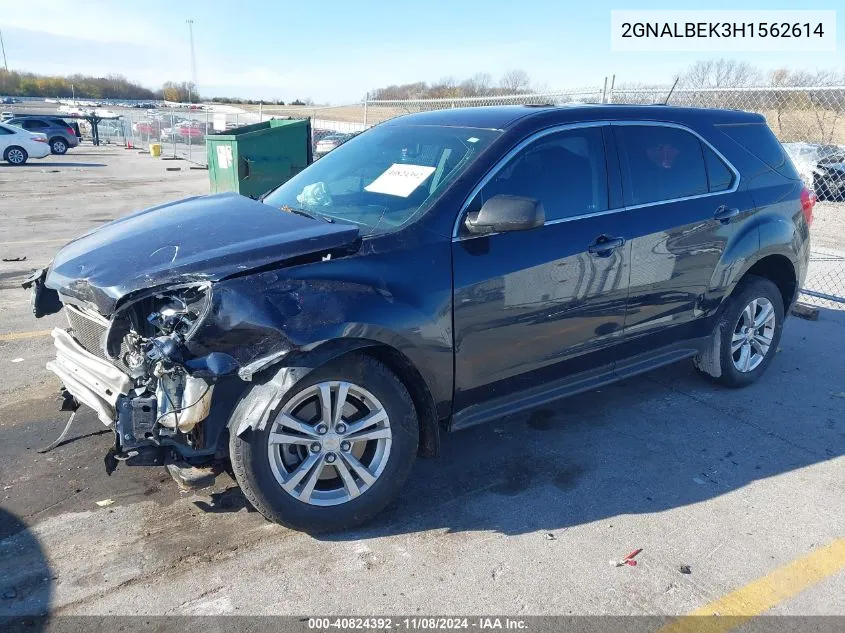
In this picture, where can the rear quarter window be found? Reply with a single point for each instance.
(759, 140)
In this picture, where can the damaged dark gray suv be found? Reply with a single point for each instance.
(438, 271)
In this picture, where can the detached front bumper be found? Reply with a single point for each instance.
(91, 380)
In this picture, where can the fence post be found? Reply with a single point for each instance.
(205, 138)
(604, 91)
(366, 100)
(261, 112)
(612, 84)
(172, 134)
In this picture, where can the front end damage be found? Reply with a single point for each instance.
(136, 371)
(171, 313)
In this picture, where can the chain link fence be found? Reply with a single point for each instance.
(180, 132)
(809, 122)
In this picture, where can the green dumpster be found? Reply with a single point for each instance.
(253, 159)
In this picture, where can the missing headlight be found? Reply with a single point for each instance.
(179, 311)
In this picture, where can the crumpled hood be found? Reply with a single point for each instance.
(201, 238)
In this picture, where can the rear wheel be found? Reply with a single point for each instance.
(336, 450)
(15, 155)
(747, 336)
(58, 146)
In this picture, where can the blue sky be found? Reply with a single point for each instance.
(334, 51)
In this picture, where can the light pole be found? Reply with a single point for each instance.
(3, 46)
(190, 24)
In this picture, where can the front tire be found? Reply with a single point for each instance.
(15, 155)
(747, 336)
(335, 451)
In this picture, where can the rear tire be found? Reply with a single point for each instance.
(308, 478)
(15, 155)
(58, 146)
(747, 336)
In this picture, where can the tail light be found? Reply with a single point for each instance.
(71, 132)
(808, 201)
(40, 139)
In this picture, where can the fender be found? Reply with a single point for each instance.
(273, 384)
(280, 317)
(768, 233)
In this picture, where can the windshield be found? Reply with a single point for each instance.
(384, 177)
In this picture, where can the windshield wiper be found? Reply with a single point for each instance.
(307, 214)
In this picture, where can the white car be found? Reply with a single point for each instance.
(17, 144)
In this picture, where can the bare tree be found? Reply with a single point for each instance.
(515, 81)
(478, 85)
(445, 88)
(720, 73)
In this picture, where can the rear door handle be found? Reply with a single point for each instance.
(605, 245)
(724, 214)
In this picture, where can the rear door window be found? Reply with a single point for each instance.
(566, 171)
(660, 163)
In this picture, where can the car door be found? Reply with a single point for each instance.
(6, 136)
(683, 206)
(535, 307)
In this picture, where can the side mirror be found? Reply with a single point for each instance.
(506, 213)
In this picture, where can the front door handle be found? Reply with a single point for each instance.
(724, 214)
(605, 245)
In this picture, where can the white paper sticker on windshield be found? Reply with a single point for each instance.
(400, 180)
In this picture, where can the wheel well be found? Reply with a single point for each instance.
(420, 395)
(780, 271)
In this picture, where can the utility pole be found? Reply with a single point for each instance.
(190, 24)
(3, 46)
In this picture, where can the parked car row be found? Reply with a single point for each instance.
(325, 141)
(18, 145)
(61, 136)
(822, 166)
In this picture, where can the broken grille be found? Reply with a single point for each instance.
(89, 331)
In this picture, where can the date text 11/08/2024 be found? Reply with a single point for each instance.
(416, 623)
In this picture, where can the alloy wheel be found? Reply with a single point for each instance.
(753, 334)
(15, 156)
(330, 443)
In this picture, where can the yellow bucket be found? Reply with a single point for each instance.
(155, 150)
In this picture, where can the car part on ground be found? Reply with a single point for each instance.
(323, 337)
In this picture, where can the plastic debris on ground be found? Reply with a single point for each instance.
(628, 560)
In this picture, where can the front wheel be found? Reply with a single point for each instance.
(747, 335)
(15, 155)
(336, 450)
